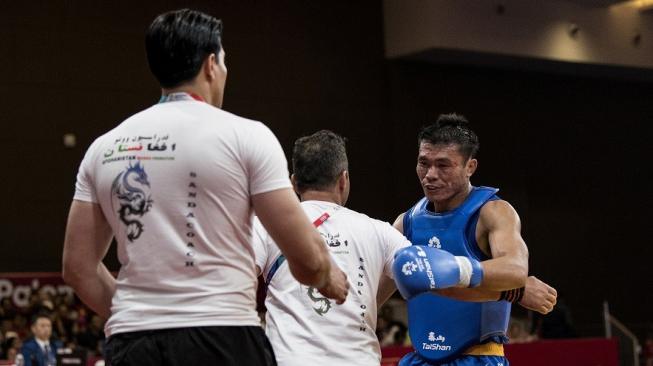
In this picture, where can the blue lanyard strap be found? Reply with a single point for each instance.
(281, 258)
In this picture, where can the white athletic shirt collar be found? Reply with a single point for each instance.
(180, 96)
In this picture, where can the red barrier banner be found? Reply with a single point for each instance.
(20, 286)
(561, 352)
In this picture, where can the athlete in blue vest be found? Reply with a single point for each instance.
(463, 237)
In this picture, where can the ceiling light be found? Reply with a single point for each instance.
(643, 4)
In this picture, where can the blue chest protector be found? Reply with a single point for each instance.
(442, 328)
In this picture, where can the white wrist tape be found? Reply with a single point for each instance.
(466, 270)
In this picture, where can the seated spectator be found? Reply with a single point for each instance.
(93, 337)
(518, 331)
(7, 310)
(40, 350)
(395, 334)
(557, 324)
(20, 326)
(62, 323)
(648, 349)
(7, 325)
(72, 324)
(11, 346)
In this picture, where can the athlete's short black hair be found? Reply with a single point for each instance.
(318, 160)
(178, 42)
(449, 129)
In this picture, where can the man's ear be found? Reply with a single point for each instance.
(209, 67)
(472, 164)
(342, 180)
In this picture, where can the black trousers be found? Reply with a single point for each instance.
(228, 346)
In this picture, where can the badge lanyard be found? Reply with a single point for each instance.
(281, 258)
(175, 97)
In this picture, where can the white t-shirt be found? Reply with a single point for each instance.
(174, 182)
(304, 327)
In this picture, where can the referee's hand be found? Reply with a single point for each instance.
(337, 285)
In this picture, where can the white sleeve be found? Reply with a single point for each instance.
(393, 241)
(85, 186)
(266, 163)
(259, 244)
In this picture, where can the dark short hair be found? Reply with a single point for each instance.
(178, 42)
(450, 129)
(39, 315)
(318, 160)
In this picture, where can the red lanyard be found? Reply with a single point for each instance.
(196, 97)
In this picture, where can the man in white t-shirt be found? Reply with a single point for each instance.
(176, 185)
(306, 328)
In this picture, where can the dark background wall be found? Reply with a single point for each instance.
(569, 152)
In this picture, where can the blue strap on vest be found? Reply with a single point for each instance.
(281, 258)
(275, 266)
(442, 328)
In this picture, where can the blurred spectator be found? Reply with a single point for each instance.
(557, 324)
(61, 326)
(20, 326)
(7, 310)
(395, 334)
(40, 350)
(6, 325)
(518, 331)
(648, 349)
(72, 323)
(92, 338)
(381, 326)
(11, 346)
(391, 328)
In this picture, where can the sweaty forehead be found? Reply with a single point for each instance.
(439, 151)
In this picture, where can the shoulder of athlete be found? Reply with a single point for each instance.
(497, 214)
(494, 216)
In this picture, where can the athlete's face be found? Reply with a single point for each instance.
(443, 171)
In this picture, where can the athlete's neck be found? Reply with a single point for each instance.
(327, 196)
(192, 90)
(452, 202)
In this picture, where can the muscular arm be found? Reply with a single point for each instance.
(88, 237)
(387, 287)
(303, 247)
(508, 268)
(538, 296)
(500, 226)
